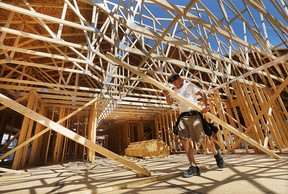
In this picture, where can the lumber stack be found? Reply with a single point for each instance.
(148, 148)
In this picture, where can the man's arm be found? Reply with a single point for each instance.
(169, 99)
(204, 100)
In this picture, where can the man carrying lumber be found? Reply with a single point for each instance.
(191, 123)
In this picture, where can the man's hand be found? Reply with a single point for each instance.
(205, 109)
(165, 92)
(169, 99)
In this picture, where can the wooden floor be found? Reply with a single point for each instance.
(243, 174)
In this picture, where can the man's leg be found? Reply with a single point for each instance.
(210, 145)
(217, 154)
(193, 170)
(185, 135)
(189, 151)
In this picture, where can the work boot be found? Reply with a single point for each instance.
(192, 171)
(219, 159)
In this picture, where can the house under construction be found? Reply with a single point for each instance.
(84, 78)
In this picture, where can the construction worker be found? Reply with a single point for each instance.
(190, 123)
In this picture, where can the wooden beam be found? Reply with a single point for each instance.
(24, 97)
(43, 54)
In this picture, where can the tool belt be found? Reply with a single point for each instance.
(209, 128)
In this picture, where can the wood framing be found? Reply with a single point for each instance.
(97, 69)
(70, 134)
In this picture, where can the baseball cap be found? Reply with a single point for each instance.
(173, 77)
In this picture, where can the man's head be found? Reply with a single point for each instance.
(173, 77)
(176, 80)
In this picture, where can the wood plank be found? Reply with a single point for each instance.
(20, 99)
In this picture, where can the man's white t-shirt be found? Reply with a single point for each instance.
(188, 91)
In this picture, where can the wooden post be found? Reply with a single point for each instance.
(65, 141)
(127, 134)
(26, 152)
(244, 106)
(220, 141)
(168, 130)
(23, 131)
(156, 128)
(177, 141)
(92, 131)
(221, 114)
(160, 131)
(76, 144)
(172, 137)
(58, 149)
(37, 143)
(49, 137)
(140, 131)
(2, 127)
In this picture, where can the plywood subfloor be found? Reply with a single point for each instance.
(243, 174)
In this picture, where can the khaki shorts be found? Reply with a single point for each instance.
(191, 127)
